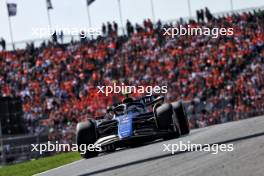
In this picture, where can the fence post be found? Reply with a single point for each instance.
(3, 159)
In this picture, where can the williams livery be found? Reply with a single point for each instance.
(132, 123)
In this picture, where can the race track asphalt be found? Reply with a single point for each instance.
(247, 158)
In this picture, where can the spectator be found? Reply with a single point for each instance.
(3, 44)
(115, 27)
(200, 15)
(208, 14)
(129, 28)
(109, 28)
(54, 37)
(61, 36)
(104, 29)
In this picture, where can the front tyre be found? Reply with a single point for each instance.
(85, 135)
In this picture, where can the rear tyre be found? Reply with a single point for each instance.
(166, 120)
(163, 115)
(86, 134)
(180, 112)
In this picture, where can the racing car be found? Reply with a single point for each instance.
(131, 123)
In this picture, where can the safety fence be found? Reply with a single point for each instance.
(16, 149)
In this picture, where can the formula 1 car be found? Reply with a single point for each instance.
(132, 123)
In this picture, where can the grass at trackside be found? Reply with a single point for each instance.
(36, 166)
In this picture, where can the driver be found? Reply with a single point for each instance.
(127, 98)
(109, 113)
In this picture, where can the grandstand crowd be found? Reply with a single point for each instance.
(221, 79)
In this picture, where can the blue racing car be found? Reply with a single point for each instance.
(131, 123)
